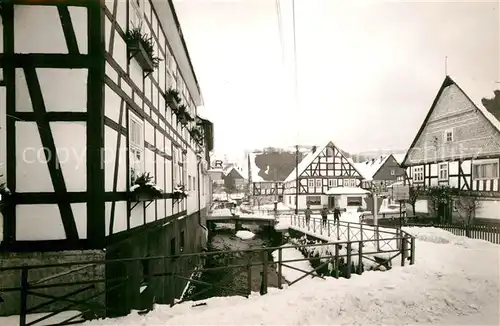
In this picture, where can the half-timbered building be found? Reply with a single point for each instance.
(380, 171)
(267, 191)
(86, 100)
(323, 168)
(458, 145)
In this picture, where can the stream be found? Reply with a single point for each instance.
(234, 281)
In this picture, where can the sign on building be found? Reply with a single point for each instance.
(400, 192)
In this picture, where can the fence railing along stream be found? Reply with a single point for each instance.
(99, 296)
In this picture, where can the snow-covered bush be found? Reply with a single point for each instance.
(144, 186)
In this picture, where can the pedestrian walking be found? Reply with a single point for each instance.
(324, 215)
(336, 215)
(308, 213)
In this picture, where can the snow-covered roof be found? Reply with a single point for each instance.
(347, 191)
(370, 167)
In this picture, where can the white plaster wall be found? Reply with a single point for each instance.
(31, 38)
(168, 179)
(79, 20)
(48, 218)
(120, 51)
(453, 182)
(110, 143)
(489, 209)
(149, 133)
(453, 168)
(112, 103)
(120, 221)
(137, 216)
(23, 99)
(32, 172)
(434, 170)
(70, 139)
(1, 35)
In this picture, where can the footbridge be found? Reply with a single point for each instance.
(240, 218)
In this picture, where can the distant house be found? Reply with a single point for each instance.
(458, 145)
(261, 184)
(320, 172)
(234, 180)
(380, 172)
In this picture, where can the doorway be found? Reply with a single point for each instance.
(331, 202)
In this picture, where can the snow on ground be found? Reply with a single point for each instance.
(245, 235)
(14, 320)
(449, 284)
(270, 207)
(291, 254)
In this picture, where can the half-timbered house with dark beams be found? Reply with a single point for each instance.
(264, 191)
(323, 168)
(458, 145)
(91, 91)
(380, 171)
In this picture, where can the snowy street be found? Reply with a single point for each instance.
(455, 281)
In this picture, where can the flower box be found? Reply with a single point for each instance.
(179, 192)
(144, 189)
(137, 51)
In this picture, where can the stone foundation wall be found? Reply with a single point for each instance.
(67, 274)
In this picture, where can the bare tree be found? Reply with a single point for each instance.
(415, 193)
(467, 206)
(259, 200)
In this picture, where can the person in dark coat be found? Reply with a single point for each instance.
(336, 215)
(308, 213)
(324, 215)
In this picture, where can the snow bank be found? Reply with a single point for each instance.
(440, 236)
(449, 284)
(291, 254)
(245, 235)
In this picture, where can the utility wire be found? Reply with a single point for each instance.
(296, 92)
(280, 30)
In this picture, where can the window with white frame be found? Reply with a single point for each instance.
(136, 145)
(346, 183)
(352, 183)
(189, 183)
(332, 183)
(175, 170)
(319, 183)
(443, 171)
(485, 170)
(393, 172)
(448, 136)
(310, 183)
(418, 174)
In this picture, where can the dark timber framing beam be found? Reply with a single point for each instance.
(95, 126)
(68, 29)
(35, 91)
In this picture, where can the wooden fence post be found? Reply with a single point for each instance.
(329, 228)
(280, 272)
(24, 297)
(404, 248)
(336, 261)
(360, 257)
(264, 271)
(348, 274)
(377, 237)
(412, 251)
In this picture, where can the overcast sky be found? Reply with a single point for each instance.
(368, 71)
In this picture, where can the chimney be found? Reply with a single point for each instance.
(314, 149)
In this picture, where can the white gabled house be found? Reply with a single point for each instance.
(322, 169)
(89, 92)
(458, 145)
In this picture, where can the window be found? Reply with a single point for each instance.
(485, 170)
(448, 136)
(332, 183)
(329, 152)
(319, 183)
(181, 245)
(393, 172)
(136, 145)
(189, 183)
(194, 183)
(313, 200)
(443, 172)
(354, 201)
(352, 183)
(346, 183)
(289, 200)
(418, 174)
(310, 183)
(173, 252)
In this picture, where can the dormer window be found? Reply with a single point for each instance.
(448, 136)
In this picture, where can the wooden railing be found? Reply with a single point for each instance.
(90, 297)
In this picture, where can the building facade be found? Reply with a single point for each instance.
(85, 110)
(380, 172)
(458, 145)
(321, 169)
